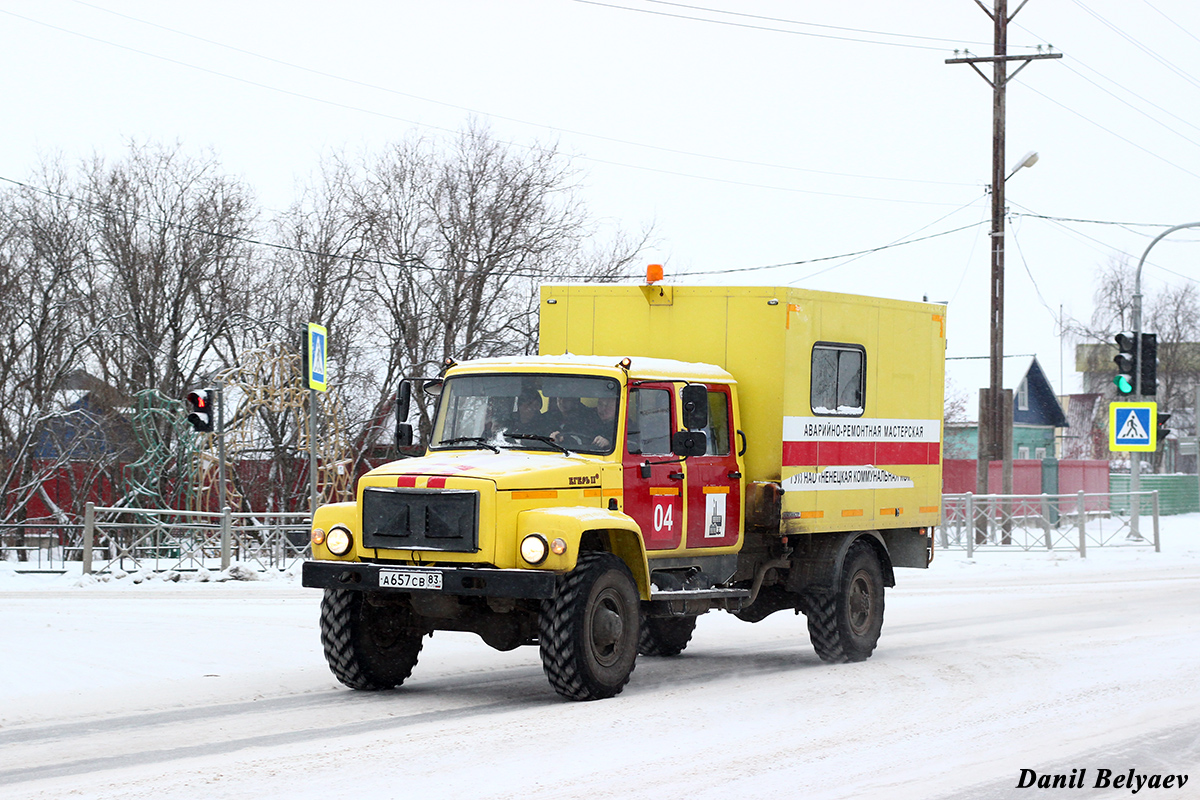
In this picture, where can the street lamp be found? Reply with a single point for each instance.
(1135, 462)
(1028, 160)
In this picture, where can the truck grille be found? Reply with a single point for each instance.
(421, 519)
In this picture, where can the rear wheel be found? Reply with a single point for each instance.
(588, 633)
(844, 626)
(665, 636)
(369, 646)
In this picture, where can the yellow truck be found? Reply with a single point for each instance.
(671, 450)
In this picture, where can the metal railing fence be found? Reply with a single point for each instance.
(188, 541)
(161, 540)
(1046, 521)
(38, 546)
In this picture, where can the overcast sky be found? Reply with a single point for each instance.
(749, 133)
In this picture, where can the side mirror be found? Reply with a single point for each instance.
(404, 434)
(404, 431)
(403, 401)
(433, 388)
(689, 443)
(695, 406)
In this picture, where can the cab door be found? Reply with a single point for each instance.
(653, 490)
(714, 482)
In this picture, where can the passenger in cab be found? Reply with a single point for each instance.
(586, 427)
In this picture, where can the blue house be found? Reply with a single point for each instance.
(1036, 410)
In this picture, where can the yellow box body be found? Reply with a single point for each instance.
(874, 464)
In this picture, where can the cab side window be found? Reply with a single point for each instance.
(717, 430)
(649, 422)
(838, 379)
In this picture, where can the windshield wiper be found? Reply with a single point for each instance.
(537, 437)
(479, 440)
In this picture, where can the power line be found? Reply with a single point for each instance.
(744, 15)
(416, 123)
(1138, 95)
(1037, 289)
(1126, 89)
(1112, 132)
(491, 115)
(91, 205)
(1187, 76)
(749, 184)
(757, 27)
(981, 358)
(970, 256)
(1145, 114)
(1173, 22)
(1109, 249)
(406, 265)
(894, 243)
(739, 270)
(1096, 221)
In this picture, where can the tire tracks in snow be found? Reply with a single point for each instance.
(215, 721)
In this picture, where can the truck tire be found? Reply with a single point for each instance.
(588, 633)
(665, 636)
(368, 647)
(844, 626)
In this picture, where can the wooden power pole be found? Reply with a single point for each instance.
(995, 414)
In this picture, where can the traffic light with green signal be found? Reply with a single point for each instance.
(1127, 362)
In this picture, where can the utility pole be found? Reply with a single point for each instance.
(995, 414)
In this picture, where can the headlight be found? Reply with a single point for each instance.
(534, 548)
(558, 547)
(339, 541)
(318, 536)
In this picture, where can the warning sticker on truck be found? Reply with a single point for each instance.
(714, 515)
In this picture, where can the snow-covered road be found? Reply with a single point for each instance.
(985, 668)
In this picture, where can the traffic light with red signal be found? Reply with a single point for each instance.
(1161, 429)
(201, 412)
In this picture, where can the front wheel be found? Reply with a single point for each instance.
(368, 645)
(844, 626)
(588, 633)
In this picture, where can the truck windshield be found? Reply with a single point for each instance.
(528, 412)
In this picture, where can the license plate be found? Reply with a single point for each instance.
(410, 579)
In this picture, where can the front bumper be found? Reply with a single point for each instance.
(466, 581)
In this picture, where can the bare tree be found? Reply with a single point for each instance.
(42, 241)
(1173, 313)
(460, 240)
(167, 265)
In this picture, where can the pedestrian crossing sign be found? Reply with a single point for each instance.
(1132, 427)
(316, 357)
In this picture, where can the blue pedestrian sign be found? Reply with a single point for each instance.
(316, 357)
(1132, 427)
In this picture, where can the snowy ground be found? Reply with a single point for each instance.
(1014, 660)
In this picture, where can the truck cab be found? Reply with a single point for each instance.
(533, 463)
